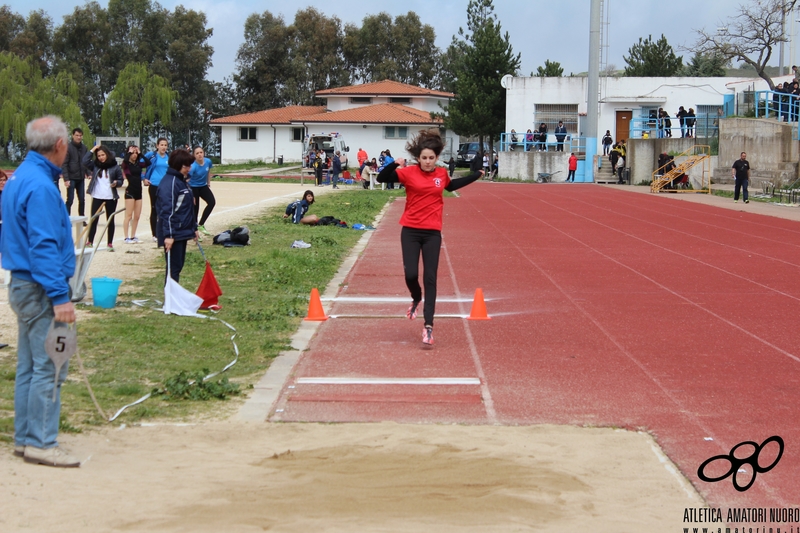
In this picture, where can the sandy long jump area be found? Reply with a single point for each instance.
(227, 475)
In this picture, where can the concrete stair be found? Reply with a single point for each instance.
(605, 174)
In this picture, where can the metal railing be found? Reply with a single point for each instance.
(702, 125)
(525, 142)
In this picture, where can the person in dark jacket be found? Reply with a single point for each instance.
(175, 209)
(74, 172)
(106, 177)
(297, 210)
(543, 137)
(451, 165)
(561, 134)
(336, 169)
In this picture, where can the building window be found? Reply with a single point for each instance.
(297, 134)
(360, 100)
(550, 114)
(400, 100)
(395, 132)
(247, 134)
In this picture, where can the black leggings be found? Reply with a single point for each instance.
(205, 193)
(429, 243)
(152, 191)
(111, 206)
(175, 259)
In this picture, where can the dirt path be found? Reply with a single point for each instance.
(237, 476)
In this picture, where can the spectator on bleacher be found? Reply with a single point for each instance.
(528, 140)
(776, 100)
(690, 120)
(681, 115)
(543, 137)
(513, 142)
(561, 134)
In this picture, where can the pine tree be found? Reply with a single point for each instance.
(479, 106)
(652, 59)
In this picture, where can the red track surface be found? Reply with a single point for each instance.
(608, 309)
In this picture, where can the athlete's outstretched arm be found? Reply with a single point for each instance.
(389, 174)
(457, 183)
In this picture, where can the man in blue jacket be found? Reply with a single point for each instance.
(36, 246)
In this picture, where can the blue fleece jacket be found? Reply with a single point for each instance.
(36, 243)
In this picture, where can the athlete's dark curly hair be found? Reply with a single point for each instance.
(426, 139)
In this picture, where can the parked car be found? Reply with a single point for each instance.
(468, 151)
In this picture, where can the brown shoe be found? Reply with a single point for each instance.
(19, 451)
(50, 457)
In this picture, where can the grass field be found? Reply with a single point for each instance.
(129, 351)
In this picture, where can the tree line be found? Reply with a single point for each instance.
(136, 68)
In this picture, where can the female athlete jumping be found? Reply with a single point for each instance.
(425, 184)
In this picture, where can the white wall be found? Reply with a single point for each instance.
(425, 103)
(237, 151)
(617, 94)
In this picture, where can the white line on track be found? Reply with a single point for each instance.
(393, 316)
(392, 299)
(488, 402)
(387, 381)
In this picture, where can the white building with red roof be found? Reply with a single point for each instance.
(373, 116)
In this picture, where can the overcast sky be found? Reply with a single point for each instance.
(539, 29)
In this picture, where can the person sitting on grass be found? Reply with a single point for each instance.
(298, 209)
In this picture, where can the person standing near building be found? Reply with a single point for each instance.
(561, 134)
(741, 173)
(74, 171)
(690, 120)
(681, 115)
(37, 248)
(573, 166)
(336, 169)
(608, 140)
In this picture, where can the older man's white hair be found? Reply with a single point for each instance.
(43, 133)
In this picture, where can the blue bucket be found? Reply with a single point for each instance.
(104, 292)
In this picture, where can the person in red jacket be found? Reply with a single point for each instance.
(425, 184)
(573, 166)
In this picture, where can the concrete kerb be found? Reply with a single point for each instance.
(266, 392)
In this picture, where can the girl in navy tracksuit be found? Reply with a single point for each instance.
(175, 207)
(298, 209)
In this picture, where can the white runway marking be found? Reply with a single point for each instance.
(388, 381)
(391, 299)
(392, 316)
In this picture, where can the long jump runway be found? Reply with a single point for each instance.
(608, 309)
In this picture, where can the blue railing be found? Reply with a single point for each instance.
(529, 143)
(780, 105)
(701, 125)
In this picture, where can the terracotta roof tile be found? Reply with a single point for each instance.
(281, 115)
(374, 114)
(383, 88)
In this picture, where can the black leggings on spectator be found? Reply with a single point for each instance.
(152, 191)
(205, 193)
(175, 259)
(111, 206)
(427, 242)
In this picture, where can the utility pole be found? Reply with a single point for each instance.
(593, 89)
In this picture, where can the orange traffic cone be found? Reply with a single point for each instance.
(315, 311)
(478, 307)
